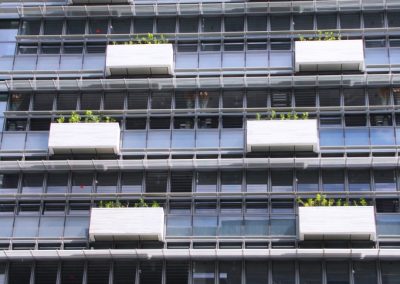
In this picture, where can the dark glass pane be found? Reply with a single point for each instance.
(72, 272)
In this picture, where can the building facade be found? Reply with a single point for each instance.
(224, 115)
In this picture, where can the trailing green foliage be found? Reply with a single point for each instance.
(118, 204)
(89, 117)
(283, 116)
(149, 39)
(321, 200)
(321, 36)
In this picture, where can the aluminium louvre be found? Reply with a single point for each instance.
(201, 82)
(239, 163)
(201, 254)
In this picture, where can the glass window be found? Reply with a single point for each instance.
(374, 20)
(280, 23)
(283, 272)
(143, 25)
(46, 272)
(208, 99)
(204, 225)
(43, 101)
(303, 22)
(350, 21)
(230, 225)
(188, 25)
(359, 180)
(327, 21)
(185, 100)
(393, 19)
(203, 272)
(31, 27)
(337, 272)
(19, 102)
(98, 26)
(232, 99)
(211, 24)
(231, 181)
(234, 24)
(161, 100)
(67, 101)
(114, 101)
(137, 100)
(256, 180)
(310, 272)
(179, 225)
(281, 98)
(32, 183)
(255, 225)
(57, 182)
(364, 272)
(150, 272)
(256, 23)
(181, 181)
(354, 97)
(282, 180)
(106, 182)
(333, 180)
(19, 272)
(52, 27)
(124, 272)
(256, 272)
(120, 26)
(166, 25)
(82, 182)
(307, 180)
(6, 224)
(156, 181)
(98, 272)
(76, 27)
(72, 272)
(8, 183)
(305, 98)
(385, 180)
(8, 30)
(90, 101)
(388, 224)
(51, 227)
(378, 96)
(131, 181)
(329, 97)
(206, 181)
(230, 272)
(76, 227)
(283, 226)
(390, 272)
(26, 227)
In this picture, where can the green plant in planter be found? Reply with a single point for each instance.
(111, 204)
(149, 39)
(327, 35)
(283, 116)
(321, 200)
(89, 117)
(142, 203)
(117, 204)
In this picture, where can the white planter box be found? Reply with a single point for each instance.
(329, 55)
(337, 223)
(126, 224)
(140, 59)
(84, 138)
(282, 135)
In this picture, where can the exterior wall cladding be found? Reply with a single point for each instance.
(194, 127)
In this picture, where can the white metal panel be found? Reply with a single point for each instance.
(127, 224)
(337, 223)
(329, 55)
(138, 59)
(265, 135)
(84, 138)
